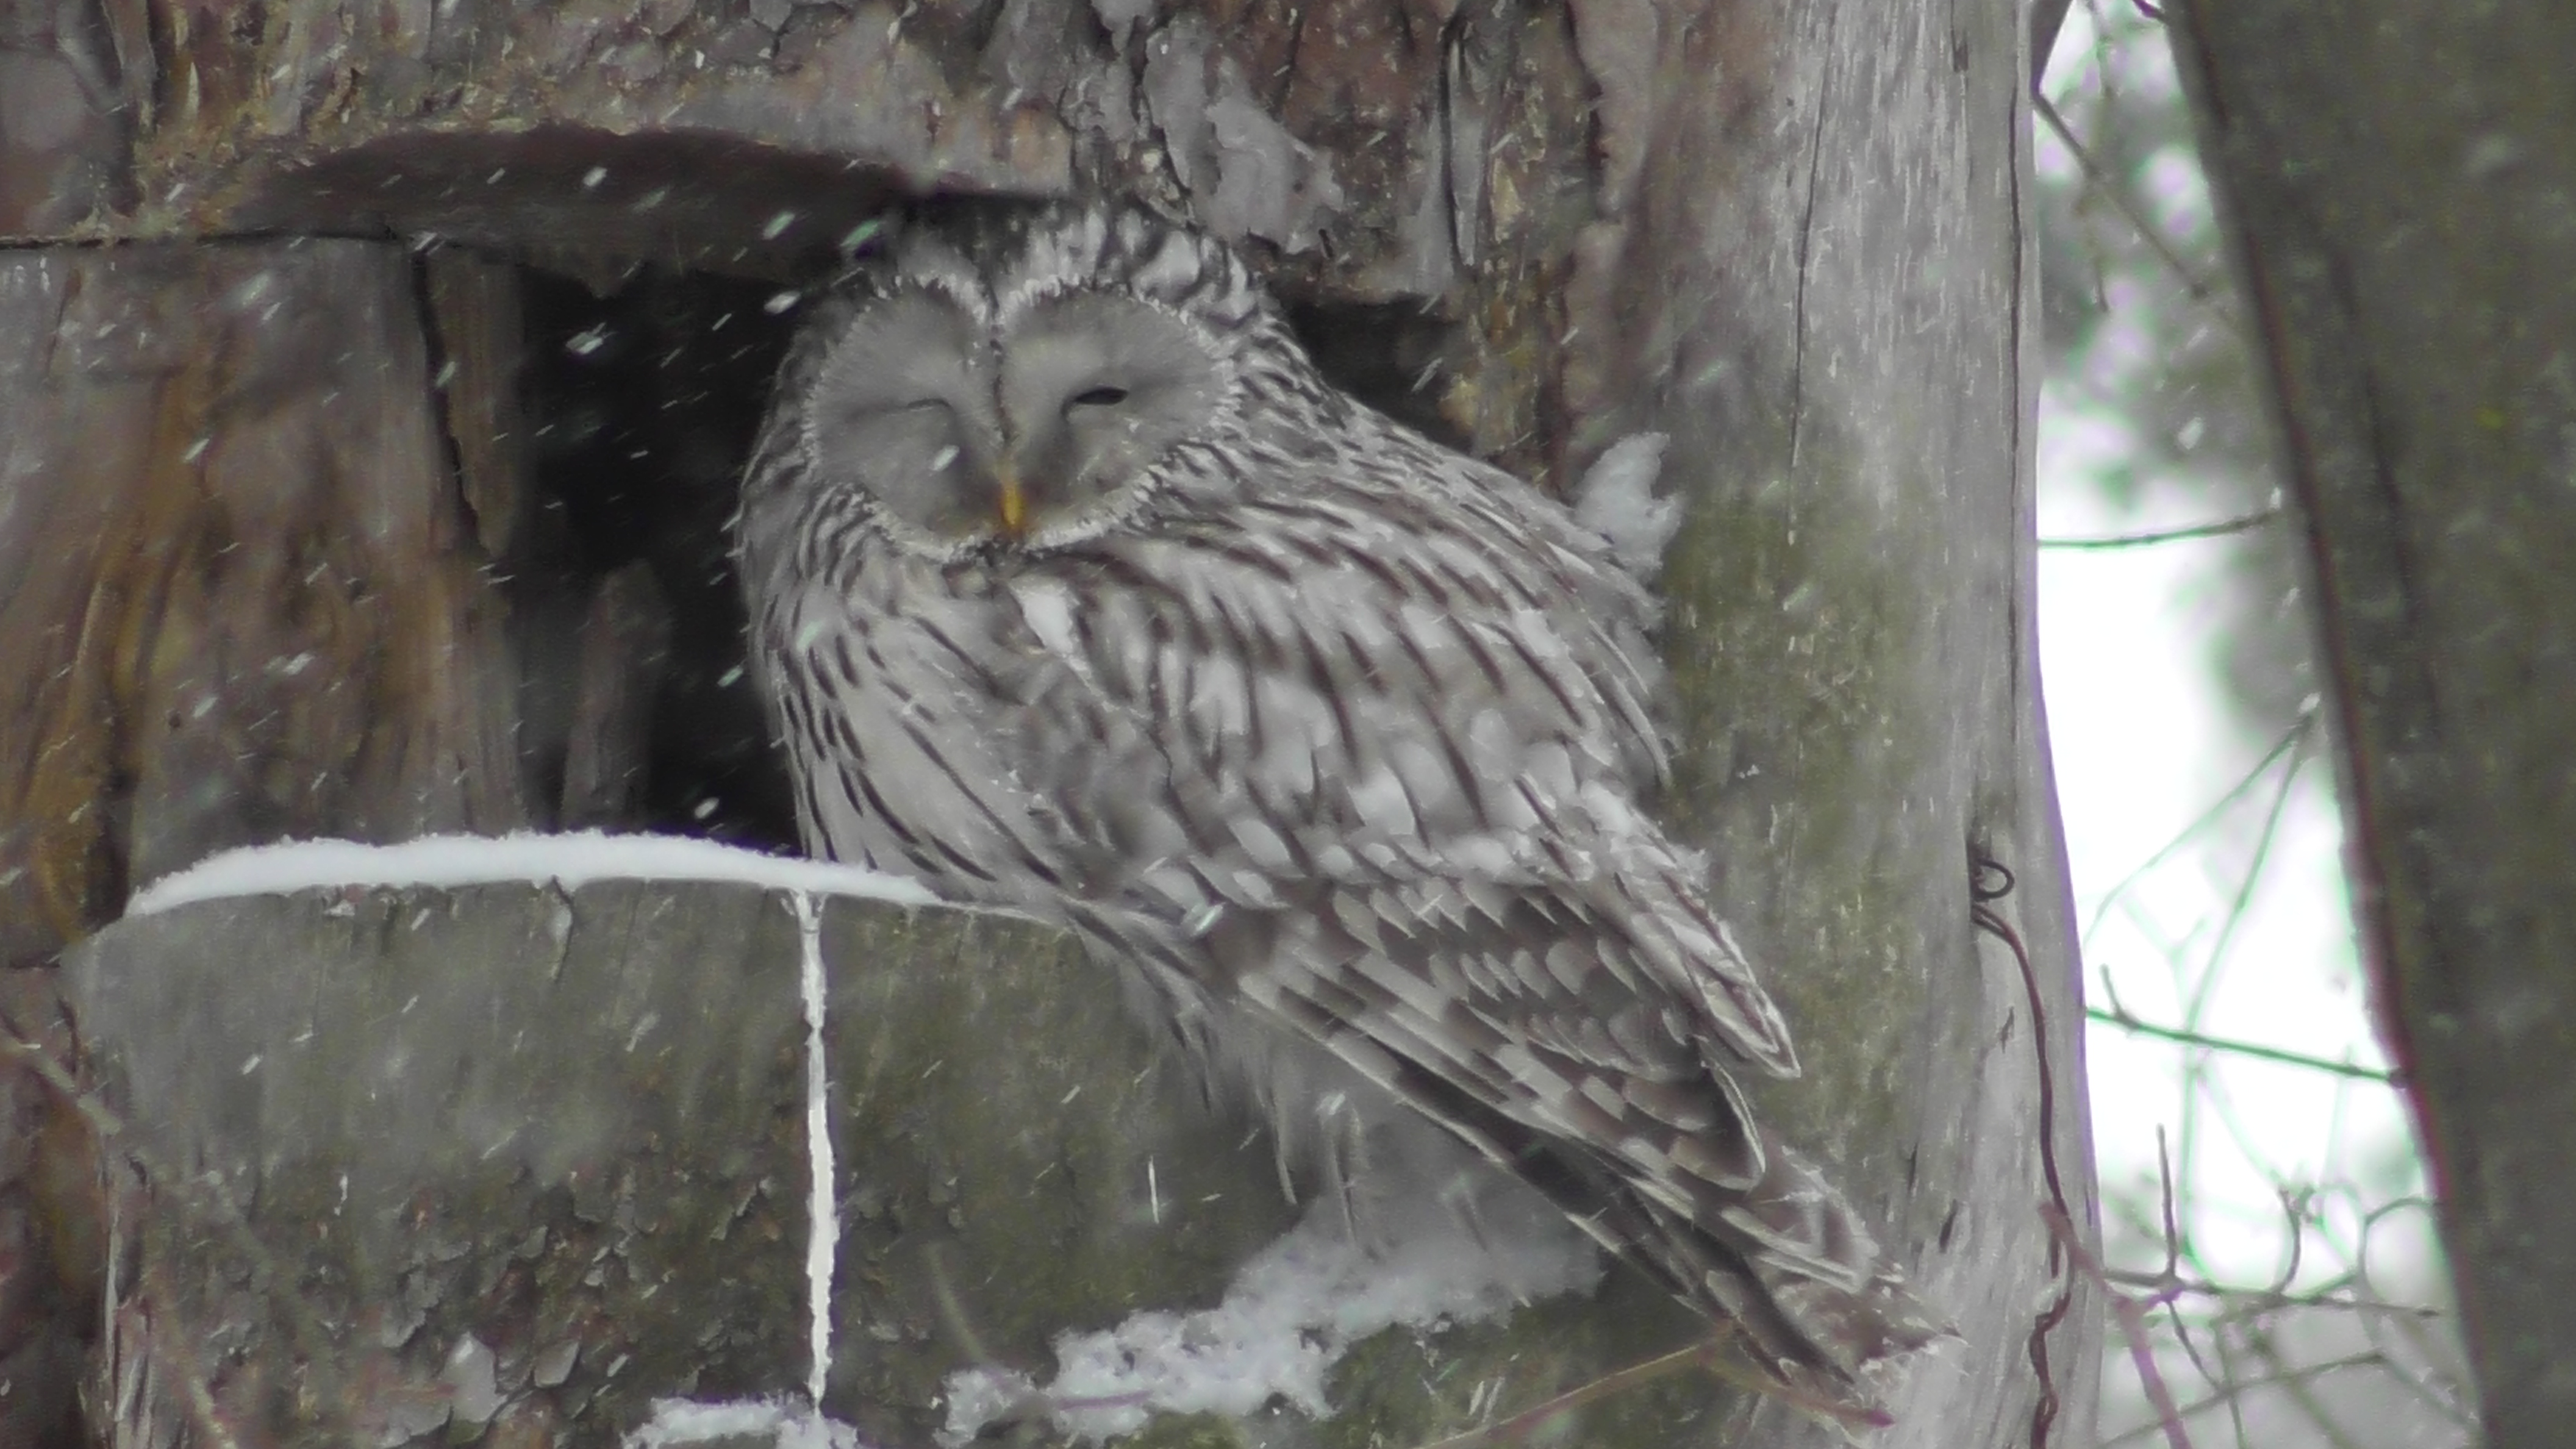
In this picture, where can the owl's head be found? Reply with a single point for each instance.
(1014, 376)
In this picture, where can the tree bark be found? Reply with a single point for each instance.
(514, 1161)
(1789, 236)
(241, 590)
(2398, 186)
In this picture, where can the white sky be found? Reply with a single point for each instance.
(2144, 746)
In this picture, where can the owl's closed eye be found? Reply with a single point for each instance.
(970, 422)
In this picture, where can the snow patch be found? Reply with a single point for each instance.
(677, 1423)
(446, 861)
(1288, 1318)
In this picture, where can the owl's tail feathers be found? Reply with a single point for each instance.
(1821, 1307)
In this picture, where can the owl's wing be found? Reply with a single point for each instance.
(1373, 766)
(1396, 710)
(1473, 1009)
(1373, 777)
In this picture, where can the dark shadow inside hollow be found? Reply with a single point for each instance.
(642, 406)
(642, 396)
(1394, 356)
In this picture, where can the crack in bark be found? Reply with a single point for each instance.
(1806, 235)
(2024, 490)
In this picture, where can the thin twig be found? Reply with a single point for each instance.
(2123, 1018)
(2221, 528)
(1983, 915)
(2165, 1203)
(2132, 1316)
(2197, 1089)
(2244, 898)
(2169, 1285)
(1521, 1423)
(2233, 1392)
(2296, 1386)
(2102, 179)
(1708, 1354)
(2293, 1213)
(2173, 1240)
(2289, 740)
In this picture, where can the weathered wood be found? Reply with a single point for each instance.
(625, 646)
(51, 1226)
(515, 1162)
(2398, 187)
(371, 1139)
(238, 585)
(1446, 146)
(1810, 274)
(238, 595)
(479, 333)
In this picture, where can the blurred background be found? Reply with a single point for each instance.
(2267, 1223)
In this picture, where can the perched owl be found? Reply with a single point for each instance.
(1075, 588)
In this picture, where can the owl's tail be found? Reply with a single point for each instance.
(1794, 1267)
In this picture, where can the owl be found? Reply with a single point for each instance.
(1075, 588)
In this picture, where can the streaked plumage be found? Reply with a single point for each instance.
(1075, 588)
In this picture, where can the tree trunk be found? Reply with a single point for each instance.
(1791, 237)
(2398, 186)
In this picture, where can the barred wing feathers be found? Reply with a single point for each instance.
(1368, 779)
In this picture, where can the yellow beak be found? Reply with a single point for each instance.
(1015, 502)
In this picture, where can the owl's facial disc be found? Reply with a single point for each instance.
(1094, 389)
(1039, 430)
(903, 411)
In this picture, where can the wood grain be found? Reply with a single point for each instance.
(237, 575)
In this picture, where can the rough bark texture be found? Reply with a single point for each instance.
(1788, 235)
(499, 1159)
(240, 595)
(1795, 263)
(506, 1164)
(2400, 189)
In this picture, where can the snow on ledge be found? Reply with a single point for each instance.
(446, 861)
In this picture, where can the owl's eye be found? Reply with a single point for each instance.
(1096, 397)
(860, 412)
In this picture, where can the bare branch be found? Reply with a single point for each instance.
(2200, 290)
(2289, 740)
(2126, 1020)
(2220, 529)
(2131, 1314)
